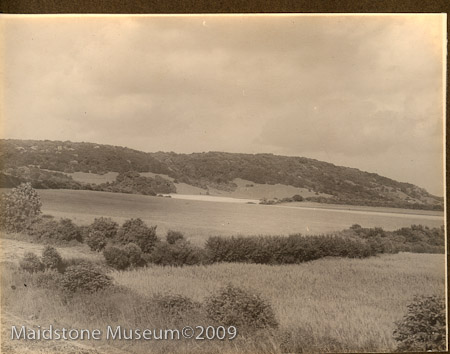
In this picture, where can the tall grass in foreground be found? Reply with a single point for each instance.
(324, 305)
(350, 301)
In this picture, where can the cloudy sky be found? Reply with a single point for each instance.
(359, 91)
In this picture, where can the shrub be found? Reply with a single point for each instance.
(44, 229)
(177, 254)
(19, 208)
(84, 278)
(106, 226)
(297, 198)
(284, 250)
(233, 306)
(423, 328)
(135, 231)
(51, 258)
(116, 257)
(174, 236)
(96, 240)
(68, 231)
(134, 254)
(31, 263)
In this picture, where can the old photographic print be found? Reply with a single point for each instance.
(223, 183)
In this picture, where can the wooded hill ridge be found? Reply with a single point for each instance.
(47, 164)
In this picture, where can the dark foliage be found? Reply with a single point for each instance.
(106, 226)
(423, 328)
(52, 259)
(135, 231)
(48, 230)
(84, 278)
(174, 236)
(68, 231)
(133, 182)
(333, 184)
(134, 254)
(232, 306)
(19, 208)
(177, 254)
(116, 257)
(96, 240)
(417, 239)
(284, 250)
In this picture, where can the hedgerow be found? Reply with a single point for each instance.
(284, 250)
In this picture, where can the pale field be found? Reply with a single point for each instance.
(354, 301)
(245, 189)
(200, 219)
(13, 250)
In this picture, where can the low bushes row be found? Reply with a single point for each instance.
(46, 229)
(284, 250)
(51, 271)
(229, 306)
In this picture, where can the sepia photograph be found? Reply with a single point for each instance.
(253, 183)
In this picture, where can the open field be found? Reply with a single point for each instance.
(327, 295)
(201, 219)
(13, 251)
(350, 304)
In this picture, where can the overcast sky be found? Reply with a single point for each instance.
(359, 91)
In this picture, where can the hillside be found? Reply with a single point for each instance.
(52, 164)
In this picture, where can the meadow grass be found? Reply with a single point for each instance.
(323, 305)
(351, 301)
(12, 250)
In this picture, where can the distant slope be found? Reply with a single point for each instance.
(215, 171)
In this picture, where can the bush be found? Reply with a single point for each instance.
(134, 254)
(116, 257)
(43, 229)
(233, 306)
(68, 231)
(284, 250)
(84, 278)
(297, 198)
(96, 240)
(135, 231)
(19, 208)
(52, 259)
(31, 263)
(177, 254)
(174, 236)
(106, 226)
(423, 328)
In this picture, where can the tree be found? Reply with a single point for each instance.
(19, 208)
(423, 328)
(135, 231)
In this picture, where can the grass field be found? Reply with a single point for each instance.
(352, 300)
(201, 219)
(333, 304)
(13, 250)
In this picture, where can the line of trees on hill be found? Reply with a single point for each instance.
(218, 170)
(128, 182)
